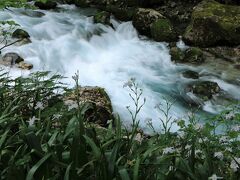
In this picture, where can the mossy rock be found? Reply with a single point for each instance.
(177, 54)
(143, 20)
(20, 34)
(121, 13)
(214, 24)
(194, 55)
(102, 17)
(204, 89)
(162, 30)
(10, 59)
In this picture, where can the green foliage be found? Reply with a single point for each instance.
(13, 3)
(44, 137)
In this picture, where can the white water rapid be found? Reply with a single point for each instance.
(67, 41)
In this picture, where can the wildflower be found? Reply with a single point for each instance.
(228, 149)
(129, 83)
(230, 115)
(215, 177)
(202, 140)
(32, 121)
(198, 151)
(168, 150)
(71, 104)
(39, 105)
(223, 139)
(198, 126)
(218, 155)
(139, 138)
(57, 116)
(236, 128)
(235, 164)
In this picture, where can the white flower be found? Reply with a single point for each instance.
(168, 150)
(198, 126)
(230, 115)
(139, 138)
(234, 166)
(39, 105)
(228, 149)
(181, 134)
(198, 151)
(223, 139)
(218, 155)
(129, 83)
(57, 116)
(32, 120)
(202, 140)
(188, 147)
(71, 104)
(236, 128)
(215, 177)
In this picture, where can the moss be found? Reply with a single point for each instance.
(194, 55)
(102, 17)
(162, 30)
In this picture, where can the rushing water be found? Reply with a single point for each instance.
(67, 40)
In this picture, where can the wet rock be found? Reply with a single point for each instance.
(204, 89)
(121, 13)
(25, 66)
(10, 59)
(20, 34)
(231, 54)
(177, 54)
(190, 74)
(46, 5)
(162, 30)
(100, 108)
(214, 24)
(144, 18)
(102, 17)
(194, 55)
(35, 14)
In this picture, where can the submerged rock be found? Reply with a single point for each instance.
(20, 34)
(190, 74)
(213, 24)
(46, 5)
(100, 108)
(35, 14)
(204, 89)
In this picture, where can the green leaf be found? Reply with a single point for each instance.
(124, 174)
(95, 149)
(136, 169)
(67, 173)
(37, 166)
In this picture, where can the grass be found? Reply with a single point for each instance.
(42, 138)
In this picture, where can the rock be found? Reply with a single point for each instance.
(25, 66)
(214, 24)
(10, 59)
(100, 110)
(46, 5)
(162, 30)
(20, 34)
(231, 54)
(121, 13)
(194, 55)
(191, 74)
(35, 14)
(144, 18)
(177, 54)
(102, 17)
(204, 89)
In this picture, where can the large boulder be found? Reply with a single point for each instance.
(162, 30)
(100, 108)
(144, 18)
(213, 24)
(46, 5)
